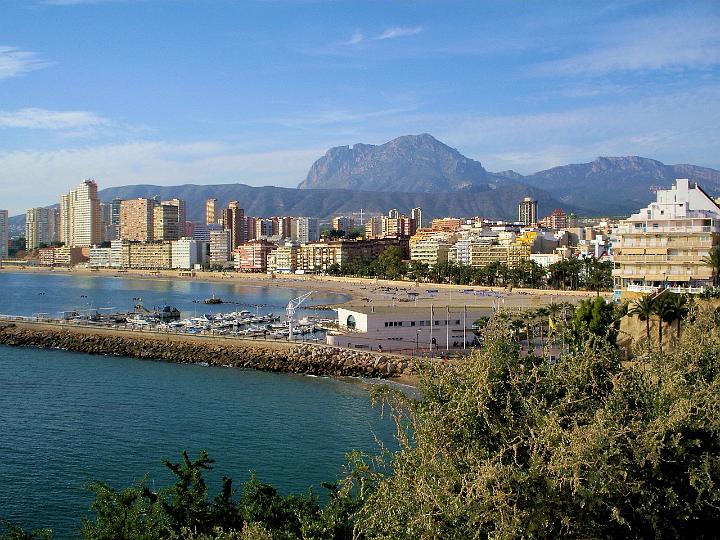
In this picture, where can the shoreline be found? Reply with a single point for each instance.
(361, 291)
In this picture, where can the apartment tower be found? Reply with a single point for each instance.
(528, 211)
(3, 234)
(80, 219)
(137, 220)
(211, 214)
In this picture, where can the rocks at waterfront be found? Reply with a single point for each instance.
(309, 359)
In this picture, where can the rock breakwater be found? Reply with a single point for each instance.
(308, 359)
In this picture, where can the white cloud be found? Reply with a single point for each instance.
(33, 118)
(648, 45)
(399, 31)
(30, 178)
(356, 38)
(15, 62)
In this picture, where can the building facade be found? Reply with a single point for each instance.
(41, 226)
(80, 219)
(137, 220)
(528, 211)
(166, 222)
(305, 229)
(664, 244)
(252, 256)
(211, 211)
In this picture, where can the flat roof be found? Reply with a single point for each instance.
(400, 309)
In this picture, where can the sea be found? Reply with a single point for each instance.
(67, 419)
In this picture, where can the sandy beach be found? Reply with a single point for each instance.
(362, 291)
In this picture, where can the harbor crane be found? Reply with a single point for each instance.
(290, 310)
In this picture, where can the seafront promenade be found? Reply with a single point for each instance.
(265, 355)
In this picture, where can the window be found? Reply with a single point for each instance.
(350, 323)
(412, 323)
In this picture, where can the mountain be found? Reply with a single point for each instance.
(411, 163)
(325, 203)
(617, 185)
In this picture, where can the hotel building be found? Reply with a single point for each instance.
(664, 244)
(80, 219)
(528, 211)
(137, 220)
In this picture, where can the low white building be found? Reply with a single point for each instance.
(184, 254)
(406, 329)
(99, 257)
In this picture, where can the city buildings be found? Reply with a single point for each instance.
(663, 245)
(4, 240)
(283, 260)
(556, 220)
(252, 256)
(528, 211)
(80, 219)
(41, 227)
(343, 223)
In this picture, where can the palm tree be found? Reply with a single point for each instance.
(713, 261)
(643, 309)
(677, 310)
(661, 308)
(542, 314)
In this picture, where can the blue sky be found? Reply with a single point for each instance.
(253, 91)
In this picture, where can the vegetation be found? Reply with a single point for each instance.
(501, 445)
(713, 261)
(576, 274)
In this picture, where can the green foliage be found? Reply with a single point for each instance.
(14, 532)
(713, 261)
(594, 320)
(511, 447)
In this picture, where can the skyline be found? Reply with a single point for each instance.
(168, 92)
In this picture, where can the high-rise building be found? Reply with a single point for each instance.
(233, 220)
(184, 253)
(182, 214)
(115, 212)
(400, 226)
(416, 214)
(664, 244)
(250, 228)
(3, 234)
(166, 224)
(528, 211)
(80, 219)
(264, 227)
(394, 213)
(557, 220)
(40, 227)
(211, 213)
(305, 229)
(282, 226)
(220, 247)
(137, 220)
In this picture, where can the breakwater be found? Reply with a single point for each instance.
(309, 359)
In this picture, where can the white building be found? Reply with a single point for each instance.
(184, 254)
(3, 234)
(663, 245)
(305, 229)
(406, 329)
(99, 257)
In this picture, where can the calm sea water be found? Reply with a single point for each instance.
(66, 417)
(31, 293)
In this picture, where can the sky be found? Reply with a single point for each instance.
(170, 92)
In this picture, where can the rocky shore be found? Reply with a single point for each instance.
(308, 359)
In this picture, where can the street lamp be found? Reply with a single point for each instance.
(417, 341)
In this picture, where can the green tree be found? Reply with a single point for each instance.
(594, 320)
(677, 309)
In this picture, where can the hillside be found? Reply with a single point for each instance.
(617, 185)
(324, 203)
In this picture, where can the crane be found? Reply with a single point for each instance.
(290, 310)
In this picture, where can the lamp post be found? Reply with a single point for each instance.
(417, 341)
